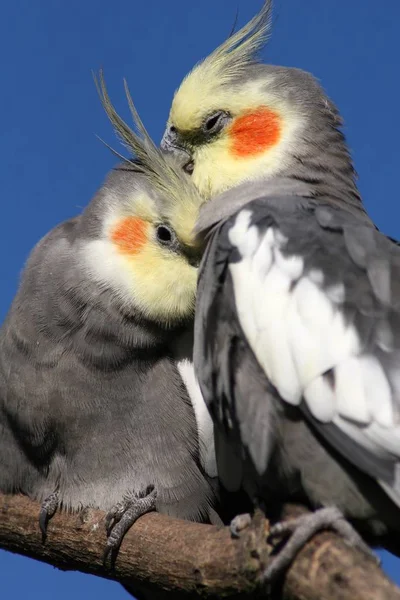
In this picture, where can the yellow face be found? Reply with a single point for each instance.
(232, 135)
(150, 259)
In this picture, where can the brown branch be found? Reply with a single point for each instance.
(163, 557)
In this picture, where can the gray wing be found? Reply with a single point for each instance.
(27, 356)
(315, 294)
(234, 387)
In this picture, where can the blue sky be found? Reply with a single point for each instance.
(50, 113)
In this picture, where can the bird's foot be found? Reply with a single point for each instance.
(122, 516)
(47, 511)
(239, 523)
(300, 530)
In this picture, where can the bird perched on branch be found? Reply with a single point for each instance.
(297, 335)
(98, 401)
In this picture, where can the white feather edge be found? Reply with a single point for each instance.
(204, 422)
(297, 332)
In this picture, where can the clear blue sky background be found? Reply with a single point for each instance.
(52, 162)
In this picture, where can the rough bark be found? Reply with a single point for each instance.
(163, 557)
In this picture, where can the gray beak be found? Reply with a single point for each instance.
(169, 143)
(169, 138)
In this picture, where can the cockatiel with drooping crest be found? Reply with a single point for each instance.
(297, 335)
(98, 401)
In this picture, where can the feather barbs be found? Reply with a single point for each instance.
(162, 171)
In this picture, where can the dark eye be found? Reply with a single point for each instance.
(211, 122)
(165, 235)
(189, 167)
(214, 123)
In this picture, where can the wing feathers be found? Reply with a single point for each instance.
(314, 297)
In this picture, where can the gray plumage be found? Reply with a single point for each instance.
(297, 324)
(92, 403)
(287, 446)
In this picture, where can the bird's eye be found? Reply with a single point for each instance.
(189, 167)
(165, 235)
(214, 123)
(211, 122)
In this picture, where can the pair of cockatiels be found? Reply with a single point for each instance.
(295, 340)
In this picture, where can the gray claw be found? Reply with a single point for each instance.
(239, 523)
(116, 513)
(300, 530)
(47, 511)
(122, 516)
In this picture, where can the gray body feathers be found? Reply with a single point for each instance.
(91, 400)
(290, 443)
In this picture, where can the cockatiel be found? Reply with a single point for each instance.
(297, 335)
(98, 401)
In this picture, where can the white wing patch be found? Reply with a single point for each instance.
(316, 390)
(204, 422)
(298, 334)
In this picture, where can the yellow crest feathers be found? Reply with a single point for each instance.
(162, 171)
(240, 49)
(203, 87)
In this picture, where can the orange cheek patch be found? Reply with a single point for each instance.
(130, 235)
(255, 132)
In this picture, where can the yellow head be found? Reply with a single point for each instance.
(141, 222)
(239, 120)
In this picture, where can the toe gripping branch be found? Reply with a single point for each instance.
(297, 532)
(123, 515)
(47, 511)
(239, 523)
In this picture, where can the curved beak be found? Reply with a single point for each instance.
(170, 142)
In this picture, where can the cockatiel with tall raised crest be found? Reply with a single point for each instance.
(98, 401)
(297, 329)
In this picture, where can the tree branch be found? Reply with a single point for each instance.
(163, 557)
